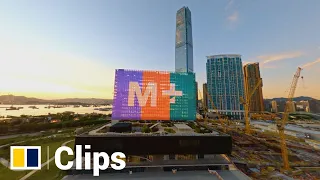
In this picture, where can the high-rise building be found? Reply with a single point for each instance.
(314, 106)
(205, 97)
(251, 78)
(281, 105)
(291, 106)
(302, 106)
(267, 105)
(196, 88)
(225, 83)
(274, 106)
(184, 47)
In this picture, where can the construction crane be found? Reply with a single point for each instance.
(216, 110)
(246, 104)
(281, 124)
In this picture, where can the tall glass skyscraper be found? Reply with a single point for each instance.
(184, 47)
(225, 84)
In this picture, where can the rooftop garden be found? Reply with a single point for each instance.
(199, 129)
(167, 124)
(169, 130)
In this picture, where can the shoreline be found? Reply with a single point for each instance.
(45, 110)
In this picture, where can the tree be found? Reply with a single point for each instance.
(146, 129)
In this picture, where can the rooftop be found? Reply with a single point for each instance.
(157, 129)
(223, 55)
(209, 160)
(182, 126)
(186, 175)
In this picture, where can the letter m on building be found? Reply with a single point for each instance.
(136, 91)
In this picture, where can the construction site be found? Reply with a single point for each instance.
(266, 153)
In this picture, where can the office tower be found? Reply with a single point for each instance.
(302, 106)
(225, 83)
(267, 105)
(197, 105)
(314, 106)
(274, 106)
(251, 78)
(291, 106)
(183, 46)
(281, 105)
(205, 97)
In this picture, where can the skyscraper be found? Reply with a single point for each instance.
(196, 85)
(314, 106)
(205, 97)
(225, 83)
(274, 105)
(251, 78)
(183, 46)
(291, 106)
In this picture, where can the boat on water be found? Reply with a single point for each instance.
(48, 107)
(58, 106)
(12, 108)
(104, 109)
(33, 107)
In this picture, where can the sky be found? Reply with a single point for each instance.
(70, 48)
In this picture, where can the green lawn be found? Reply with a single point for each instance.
(7, 174)
(17, 139)
(53, 144)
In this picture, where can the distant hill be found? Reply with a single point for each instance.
(11, 99)
(300, 98)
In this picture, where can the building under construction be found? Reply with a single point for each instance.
(251, 77)
(205, 98)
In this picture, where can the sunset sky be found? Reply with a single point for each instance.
(70, 48)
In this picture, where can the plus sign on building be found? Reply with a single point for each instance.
(153, 95)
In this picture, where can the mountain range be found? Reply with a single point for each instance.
(21, 100)
(300, 98)
(11, 99)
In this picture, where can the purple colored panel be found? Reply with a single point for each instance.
(120, 109)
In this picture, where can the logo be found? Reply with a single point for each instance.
(150, 91)
(100, 160)
(29, 158)
(25, 157)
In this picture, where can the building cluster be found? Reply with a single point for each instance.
(228, 81)
(311, 105)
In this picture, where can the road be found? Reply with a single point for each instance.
(42, 165)
(4, 162)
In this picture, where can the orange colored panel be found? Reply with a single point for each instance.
(162, 109)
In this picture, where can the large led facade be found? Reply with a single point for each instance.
(153, 95)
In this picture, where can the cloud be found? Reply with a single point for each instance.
(229, 4)
(264, 59)
(269, 67)
(233, 17)
(310, 63)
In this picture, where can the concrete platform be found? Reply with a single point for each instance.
(180, 175)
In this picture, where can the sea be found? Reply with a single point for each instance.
(25, 110)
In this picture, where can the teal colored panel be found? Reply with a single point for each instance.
(184, 107)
